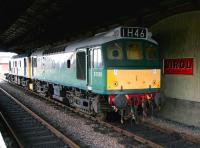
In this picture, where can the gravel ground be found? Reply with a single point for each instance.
(85, 131)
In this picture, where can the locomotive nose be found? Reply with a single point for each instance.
(121, 101)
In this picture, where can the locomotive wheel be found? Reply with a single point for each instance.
(135, 110)
(102, 116)
(151, 108)
(66, 101)
(50, 92)
(145, 108)
(49, 95)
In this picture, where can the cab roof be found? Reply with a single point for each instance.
(104, 37)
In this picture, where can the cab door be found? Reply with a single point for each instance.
(95, 69)
(81, 62)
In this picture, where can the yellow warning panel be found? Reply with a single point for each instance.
(29, 67)
(118, 79)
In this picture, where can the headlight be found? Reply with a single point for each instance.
(115, 83)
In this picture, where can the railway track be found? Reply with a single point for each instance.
(28, 128)
(155, 135)
(148, 135)
(10, 139)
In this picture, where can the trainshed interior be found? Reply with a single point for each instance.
(29, 24)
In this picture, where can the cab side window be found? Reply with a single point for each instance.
(97, 58)
(34, 62)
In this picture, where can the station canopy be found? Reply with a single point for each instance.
(28, 24)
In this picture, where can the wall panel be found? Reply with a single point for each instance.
(179, 37)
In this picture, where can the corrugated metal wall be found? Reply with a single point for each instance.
(179, 37)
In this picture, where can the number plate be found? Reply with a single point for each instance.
(133, 32)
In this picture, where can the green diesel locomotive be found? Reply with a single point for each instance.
(118, 70)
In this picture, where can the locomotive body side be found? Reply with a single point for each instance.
(114, 71)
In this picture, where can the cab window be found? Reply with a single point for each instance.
(34, 62)
(134, 51)
(114, 51)
(151, 52)
(97, 58)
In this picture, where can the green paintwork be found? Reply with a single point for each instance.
(53, 68)
(131, 64)
(99, 79)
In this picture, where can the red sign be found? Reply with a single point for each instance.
(178, 66)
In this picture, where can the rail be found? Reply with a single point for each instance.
(60, 135)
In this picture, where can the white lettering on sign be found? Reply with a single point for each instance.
(134, 32)
(142, 34)
(130, 31)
